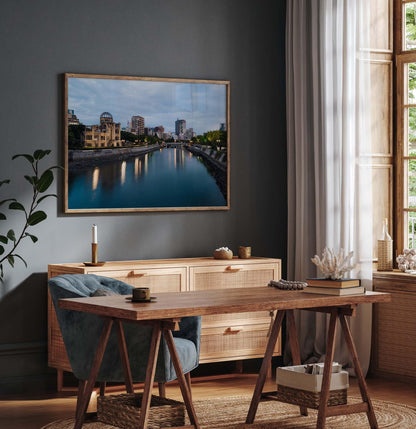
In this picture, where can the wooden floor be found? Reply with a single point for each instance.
(30, 412)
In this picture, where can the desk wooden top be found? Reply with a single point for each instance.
(216, 301)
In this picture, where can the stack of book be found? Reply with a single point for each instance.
(334, 287)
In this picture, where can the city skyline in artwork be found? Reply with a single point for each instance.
(201, 105)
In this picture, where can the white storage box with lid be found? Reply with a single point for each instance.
(295, 377)
(295, 386)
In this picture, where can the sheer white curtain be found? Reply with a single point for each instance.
(329, 175)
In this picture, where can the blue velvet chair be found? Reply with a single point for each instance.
(81, 333)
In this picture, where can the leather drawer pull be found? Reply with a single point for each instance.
(233, 269)
(135, 274)
(231, 331)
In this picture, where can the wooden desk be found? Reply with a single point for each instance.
(170, 307)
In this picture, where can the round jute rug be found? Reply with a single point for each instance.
(230, 413)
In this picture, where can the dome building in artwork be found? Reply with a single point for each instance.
(106, 117)
(105, 134)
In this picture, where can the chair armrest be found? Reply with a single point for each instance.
(190, 329)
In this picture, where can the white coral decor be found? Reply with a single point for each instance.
(407, 261)
(333, 265)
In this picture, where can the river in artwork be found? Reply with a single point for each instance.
(168, 177)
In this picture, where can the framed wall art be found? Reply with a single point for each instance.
(146, 144)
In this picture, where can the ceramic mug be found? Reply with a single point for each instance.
(141, 293)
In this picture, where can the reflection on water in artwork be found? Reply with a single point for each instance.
(164, 178)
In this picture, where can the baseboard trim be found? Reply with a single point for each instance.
(23, 348)
(32, 384)
(24, 368)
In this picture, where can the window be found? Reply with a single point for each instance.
(405, 50)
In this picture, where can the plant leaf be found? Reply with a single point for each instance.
(2, 182)
(46, 196)
(16, 206)
(31, 179)
(5, 201)
(10, 235)
(18, 256)
(25, 155)
(59, 167)
(10, 258)
(1, 249)
(36, 217)
(45, 181)
(2, 216)
(34, 238)
(3, 239)
(39, 154)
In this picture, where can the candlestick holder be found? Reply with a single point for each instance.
(94, 259)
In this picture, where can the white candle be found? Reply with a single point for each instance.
(94, 234)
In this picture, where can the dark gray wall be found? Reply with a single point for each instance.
(237, 40)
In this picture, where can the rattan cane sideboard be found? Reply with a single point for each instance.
(223, 337)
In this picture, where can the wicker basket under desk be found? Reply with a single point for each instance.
(295, 386)
(123, 411)
(305, 398)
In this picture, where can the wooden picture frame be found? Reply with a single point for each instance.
(134, 144)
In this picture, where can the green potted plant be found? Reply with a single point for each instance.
(40, 182)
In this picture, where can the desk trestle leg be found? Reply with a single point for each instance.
(358, 372)
(181, 378)
(265, 366)
(326, 380)
(150, 374)
(294, 346)
(99, 354)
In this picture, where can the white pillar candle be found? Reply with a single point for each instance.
(94, 234)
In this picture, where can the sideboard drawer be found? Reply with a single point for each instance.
(234, 342)
(156, 279)
(228, 276)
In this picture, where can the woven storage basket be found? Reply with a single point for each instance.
(123, 411)
(385, 255)
(309, 399)
(223, 254)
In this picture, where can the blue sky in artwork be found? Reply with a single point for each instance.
(202, 105)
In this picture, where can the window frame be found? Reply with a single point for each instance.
(402, 57)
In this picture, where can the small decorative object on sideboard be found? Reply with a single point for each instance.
(406, 262)
(244, 252)
(385, 250)
(333, 265)
(287, 284)
(94, 245)
(223, 253)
